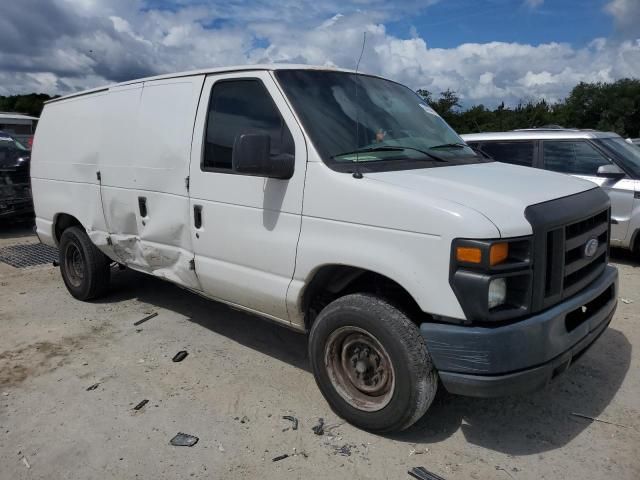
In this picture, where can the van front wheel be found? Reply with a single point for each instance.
(371, 363)
(85, 269)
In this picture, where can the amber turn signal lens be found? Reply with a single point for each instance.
(469, 254)
(498, 253)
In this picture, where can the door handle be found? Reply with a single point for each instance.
(142, 205)
(197, 216)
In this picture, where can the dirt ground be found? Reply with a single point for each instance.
(243, 374)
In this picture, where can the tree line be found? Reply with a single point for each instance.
(30, 104)
(601, 106)
(613, 107)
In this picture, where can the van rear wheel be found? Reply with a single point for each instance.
(371, 363)
(85, 269)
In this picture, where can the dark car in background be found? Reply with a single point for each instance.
(15, 186)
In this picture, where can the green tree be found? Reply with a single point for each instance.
(30, 104)
(602, 106)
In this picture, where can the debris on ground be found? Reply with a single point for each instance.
(302, 452)
(415, 451)
(595, 419)
(181, 355)
(220, 448)
(141, 404)
(319, 428)
(93, 387)
(280, 457)
(244, 419)
(344, 450)
(184, 440)
(26, 462)
(500, 469)
(422, 473)
(142, 320)
(626, 300)
(293, 420)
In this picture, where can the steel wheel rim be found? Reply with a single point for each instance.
(359, 368)
(74, 264)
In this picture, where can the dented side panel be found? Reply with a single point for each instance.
(144, 196)
(97, 156)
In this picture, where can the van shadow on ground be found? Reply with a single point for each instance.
(517, 425)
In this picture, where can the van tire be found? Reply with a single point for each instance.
(84, 268)
(349, 337)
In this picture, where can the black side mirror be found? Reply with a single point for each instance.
(610, 171)
(250, 156)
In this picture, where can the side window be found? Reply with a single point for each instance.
(577, 157)
(517, 153)
(237, 107)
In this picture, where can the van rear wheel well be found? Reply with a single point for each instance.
(334, 281)
(62, 222)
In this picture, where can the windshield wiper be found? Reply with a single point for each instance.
(388, 148)
(449, 145)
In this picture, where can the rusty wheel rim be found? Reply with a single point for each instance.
(74, 264)
(359, 368)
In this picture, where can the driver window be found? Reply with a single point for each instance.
(237, 107)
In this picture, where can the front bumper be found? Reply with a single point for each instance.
(524, 355)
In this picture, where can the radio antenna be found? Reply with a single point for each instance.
(358, 173)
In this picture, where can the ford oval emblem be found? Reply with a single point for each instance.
(591, 247)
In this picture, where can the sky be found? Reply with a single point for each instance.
(488, 51)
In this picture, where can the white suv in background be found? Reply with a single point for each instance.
(601, 157)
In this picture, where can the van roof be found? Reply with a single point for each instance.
(205, 71)
(538, 134)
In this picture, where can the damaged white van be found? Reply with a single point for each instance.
(335, 203)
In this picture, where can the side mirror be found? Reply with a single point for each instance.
(610, 171)
(250, 156)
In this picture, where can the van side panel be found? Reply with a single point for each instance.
(138, 137)
(143, 185)
(64, 162)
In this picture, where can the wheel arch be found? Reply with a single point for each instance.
(331, 281)
(61, 222)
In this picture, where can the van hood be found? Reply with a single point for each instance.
(499, 191)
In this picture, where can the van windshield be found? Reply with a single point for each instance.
(382, 126)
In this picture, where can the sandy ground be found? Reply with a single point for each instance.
(243, 374)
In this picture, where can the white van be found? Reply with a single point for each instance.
(335, 203)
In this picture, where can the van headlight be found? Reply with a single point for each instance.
(492, 278)
(497, 292)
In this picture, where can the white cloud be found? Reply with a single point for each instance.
(66, 45)
(626, 14)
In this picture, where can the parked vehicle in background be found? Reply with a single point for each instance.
(600, 157)
(15, 189)
(363, 219)
(19, 126)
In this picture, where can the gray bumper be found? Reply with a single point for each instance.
(527, 354)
